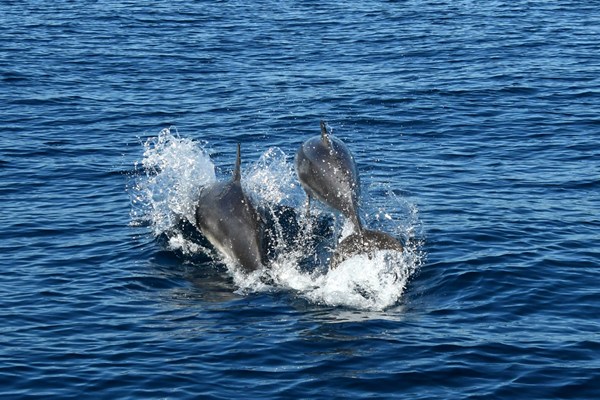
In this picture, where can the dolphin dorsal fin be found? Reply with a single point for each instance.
(237, 175)
(325, 134)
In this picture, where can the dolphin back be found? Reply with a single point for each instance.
(363, 242)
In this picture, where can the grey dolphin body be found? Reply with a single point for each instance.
(327, 172)
(228, 219)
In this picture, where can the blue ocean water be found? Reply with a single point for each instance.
(475, 126)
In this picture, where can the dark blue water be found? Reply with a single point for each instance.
(476, 128)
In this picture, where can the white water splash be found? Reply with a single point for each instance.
(365, 283)
(271, 180)
(174, 170)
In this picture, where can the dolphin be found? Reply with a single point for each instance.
(230, 222)
(327, 171)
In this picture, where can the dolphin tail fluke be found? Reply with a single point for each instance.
(237, 175)
(363, 242)
(324, 132)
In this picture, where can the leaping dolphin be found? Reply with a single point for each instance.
(327, 171)
(230, 222)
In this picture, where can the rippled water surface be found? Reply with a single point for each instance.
(475, 126)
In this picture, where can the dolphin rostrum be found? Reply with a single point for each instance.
(230, 222)
(327, 171)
